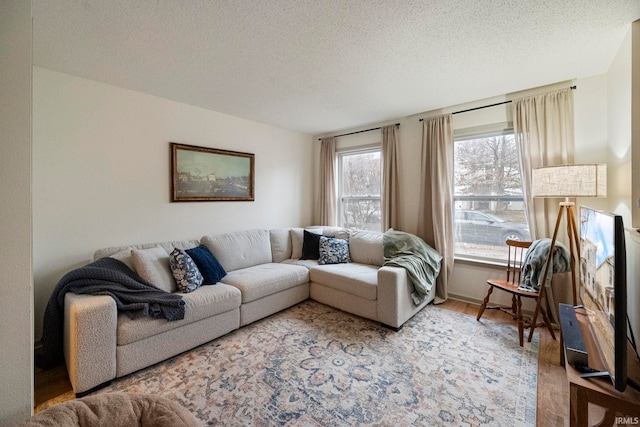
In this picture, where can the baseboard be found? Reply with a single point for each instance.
(529, 313)
(478, 302)
(463, 298)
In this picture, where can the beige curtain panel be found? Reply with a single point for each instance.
(543, 126)
(390, 186)
(327, 202)
(435, 218)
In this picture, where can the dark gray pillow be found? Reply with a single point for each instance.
(311, 245)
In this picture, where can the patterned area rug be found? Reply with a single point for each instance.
(313, 365)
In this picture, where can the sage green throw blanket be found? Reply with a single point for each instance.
(421, 261)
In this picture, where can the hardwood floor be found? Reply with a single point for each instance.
(53, 386)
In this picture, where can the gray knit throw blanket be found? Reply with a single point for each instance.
(106, 276)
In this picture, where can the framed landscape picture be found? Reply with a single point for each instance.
(201, 174)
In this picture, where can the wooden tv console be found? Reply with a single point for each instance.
(621, 408)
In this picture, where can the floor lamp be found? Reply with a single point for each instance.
(567, 181)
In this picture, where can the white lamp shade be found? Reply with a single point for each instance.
(587, 180)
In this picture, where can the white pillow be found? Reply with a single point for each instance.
(280, 239)
(153, 265)
(297, 235)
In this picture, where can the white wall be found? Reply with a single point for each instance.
(624, 145)
(633, 255)
(590, 116)
(16, 309)
(101, 174)
(619, 132)
(635, 123)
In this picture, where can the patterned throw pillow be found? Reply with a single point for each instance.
(184, 270)
(333, 251)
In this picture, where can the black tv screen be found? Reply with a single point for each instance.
(603, 290)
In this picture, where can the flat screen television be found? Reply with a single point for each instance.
(603, 287)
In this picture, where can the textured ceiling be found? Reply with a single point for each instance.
(324, 65)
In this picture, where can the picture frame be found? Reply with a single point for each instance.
(203, 174)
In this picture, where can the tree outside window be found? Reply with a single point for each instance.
(488, 198)
(360, 182)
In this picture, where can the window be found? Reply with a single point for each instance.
(359, 184)
(488, 200)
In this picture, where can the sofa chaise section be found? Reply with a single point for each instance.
(350, 287)
(364, 286)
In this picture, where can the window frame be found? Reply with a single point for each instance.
(341, 198)
(469, 134)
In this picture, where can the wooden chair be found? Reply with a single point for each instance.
(517, 251)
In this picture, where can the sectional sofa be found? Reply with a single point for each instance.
(266, 272)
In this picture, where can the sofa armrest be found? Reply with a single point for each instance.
(90, 323)
(395, 305)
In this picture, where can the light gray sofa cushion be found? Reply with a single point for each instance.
(206, 301)
(308, 263)
(240, 249)
(352, 278)
(265, 279)
(280, 244)
(366, 247)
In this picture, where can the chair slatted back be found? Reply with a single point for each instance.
(517, 252)
(515, 258)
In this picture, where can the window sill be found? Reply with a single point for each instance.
(479, 261)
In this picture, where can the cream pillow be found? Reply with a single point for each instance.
(297, 238)
(280, 244)
(153, 265)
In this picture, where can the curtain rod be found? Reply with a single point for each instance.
(492, 105)
(359, 131)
